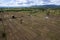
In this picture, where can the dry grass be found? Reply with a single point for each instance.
(34, 27)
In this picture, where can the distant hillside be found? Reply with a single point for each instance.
(46, 6)
(36, 6)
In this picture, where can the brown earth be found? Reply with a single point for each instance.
(34, 27)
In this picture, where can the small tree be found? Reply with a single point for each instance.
(13, 17)
(0, 19)
(21, 21)
(48, 13)
(3, 34)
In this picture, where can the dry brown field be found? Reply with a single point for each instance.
(27, 26)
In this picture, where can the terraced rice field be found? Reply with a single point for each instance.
(33, 27)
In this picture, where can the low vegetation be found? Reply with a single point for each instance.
(31, 23)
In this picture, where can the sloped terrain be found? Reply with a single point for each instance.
(27, 26)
